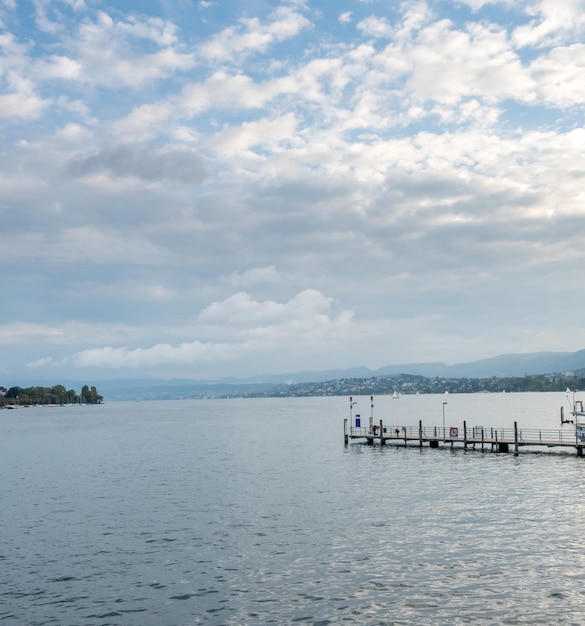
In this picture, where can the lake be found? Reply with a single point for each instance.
(254, 512)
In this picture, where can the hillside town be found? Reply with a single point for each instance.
(405, 384)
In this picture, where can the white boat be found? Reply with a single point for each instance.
(396, 395)
(576, 407)
(577, 411)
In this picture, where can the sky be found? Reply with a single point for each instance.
(215, 188)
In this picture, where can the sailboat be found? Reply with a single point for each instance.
(396, 395)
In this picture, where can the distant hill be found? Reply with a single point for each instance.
(506, 365)
(503, 366)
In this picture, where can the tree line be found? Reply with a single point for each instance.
(57, 394)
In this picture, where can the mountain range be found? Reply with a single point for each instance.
(503, 366)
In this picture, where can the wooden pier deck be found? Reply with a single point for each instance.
(494, 439)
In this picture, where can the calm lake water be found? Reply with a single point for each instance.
(254, 512)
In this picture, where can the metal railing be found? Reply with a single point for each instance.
(474, 434)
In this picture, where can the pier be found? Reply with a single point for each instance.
(475, 438)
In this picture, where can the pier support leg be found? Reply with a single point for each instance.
(464, 434)
(580, 451)
(420, 432)
(516, 438)
(345, 435)
(382, 440)
(433, 443)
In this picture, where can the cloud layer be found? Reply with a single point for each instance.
(210, 191)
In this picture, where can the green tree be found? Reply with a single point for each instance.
(95, 396)
(13, 393)
(59, 393)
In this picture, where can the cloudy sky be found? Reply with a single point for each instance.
(222, 188)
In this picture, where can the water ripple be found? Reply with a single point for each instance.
(152, 518)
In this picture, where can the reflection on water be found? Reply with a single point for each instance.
(253, 512)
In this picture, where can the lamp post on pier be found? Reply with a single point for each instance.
(444, 433)
(351, 405)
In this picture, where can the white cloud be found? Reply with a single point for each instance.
(237, 92)
(19, 105)
(108, 52)
(416, 16)
(554, 22)
(445, 64)
(560, 76)
(252, 36)
(345, 18)
(268, 133)
(20, 97)
(43, 21)
(476, 5)
(74, 133)
(145, 122)
(77, 107)
(262, 326)
(375, 27)
(240, 309)
(58, 67)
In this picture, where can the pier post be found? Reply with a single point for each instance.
(464, 434)
(516, 438)
(482, 439)
(345, 435)
(420, 432)
(382, 440)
